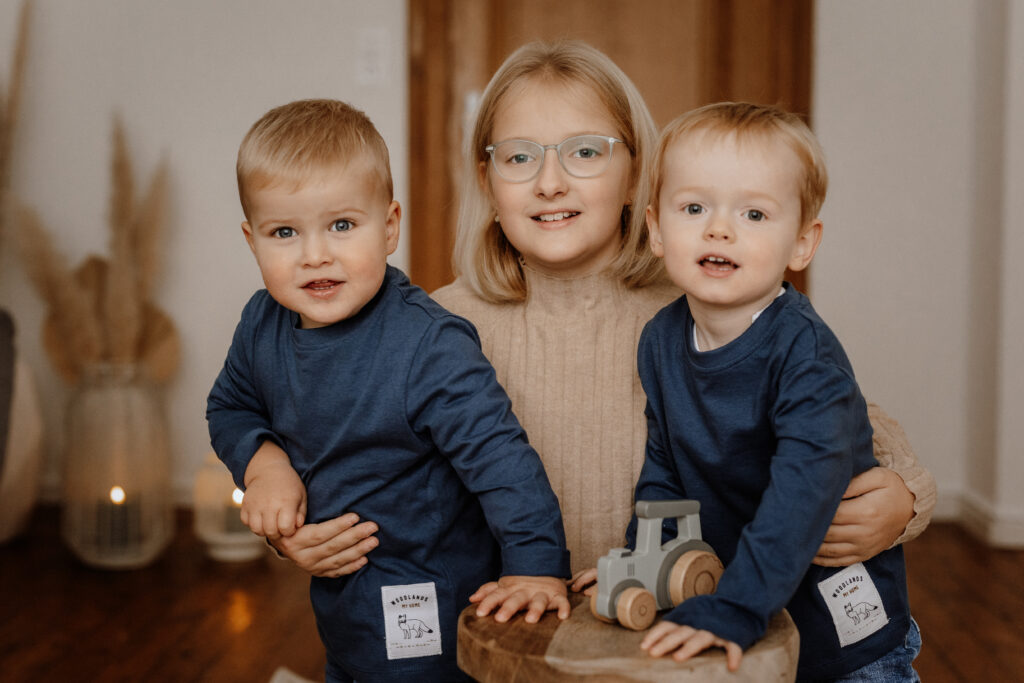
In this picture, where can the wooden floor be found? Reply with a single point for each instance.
(188, 618)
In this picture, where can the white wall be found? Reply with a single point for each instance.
(188, 78)
(921, 117)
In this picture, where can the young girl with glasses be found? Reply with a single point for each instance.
(555, 271)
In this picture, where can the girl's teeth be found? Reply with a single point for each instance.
(548, 217)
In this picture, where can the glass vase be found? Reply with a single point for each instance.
(118, 511)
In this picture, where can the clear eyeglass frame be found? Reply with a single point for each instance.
(576, 166)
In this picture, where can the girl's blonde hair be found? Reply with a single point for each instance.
(292, 142)
(483, 256)
(750, 122)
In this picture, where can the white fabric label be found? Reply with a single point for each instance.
(411, 624)
(854, 603)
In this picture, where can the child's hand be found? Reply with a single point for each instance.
(275, 499)
(331, 549)
(584, 580)
(537, 594)
(686, 641)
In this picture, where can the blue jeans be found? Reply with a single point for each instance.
(892, 667)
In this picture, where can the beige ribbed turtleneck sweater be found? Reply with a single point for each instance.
(567, 358)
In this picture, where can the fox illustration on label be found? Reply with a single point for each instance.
(859, 612)
(412, 626)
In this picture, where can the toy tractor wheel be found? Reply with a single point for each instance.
(636, 608)
(695, 573)
(593, 610)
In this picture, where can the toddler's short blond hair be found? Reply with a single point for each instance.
(292, 142)
(751, 122)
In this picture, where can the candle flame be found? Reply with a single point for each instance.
(117, 495)
(236, 496)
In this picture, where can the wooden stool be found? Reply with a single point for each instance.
(581, 648)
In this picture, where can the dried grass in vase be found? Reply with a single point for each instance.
(101, 311)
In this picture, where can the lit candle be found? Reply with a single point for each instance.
(232, 513)
(118, 523)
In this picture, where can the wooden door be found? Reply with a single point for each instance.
(680, 53)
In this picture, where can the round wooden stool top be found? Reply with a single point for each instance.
(581, 648)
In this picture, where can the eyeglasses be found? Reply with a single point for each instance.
(582, 156)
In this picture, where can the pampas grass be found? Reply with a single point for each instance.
(101, 312)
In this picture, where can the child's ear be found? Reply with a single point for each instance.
(806, 244)
(654, 232)
(391, 226)
(247, 230)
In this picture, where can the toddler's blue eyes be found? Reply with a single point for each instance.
(755, 215)
(693, 209)
(283, 232)
(341, 225)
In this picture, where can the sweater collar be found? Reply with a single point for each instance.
(566, 296)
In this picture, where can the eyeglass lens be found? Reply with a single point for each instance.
(583, 156)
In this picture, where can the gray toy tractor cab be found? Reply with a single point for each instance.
(632, 585)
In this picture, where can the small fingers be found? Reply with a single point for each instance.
(733, 655)
(512, 603)
(285, 522)
(537, 606)
(561, 602)
(582, 579)
(255, 523)
(482, 592)
(697, 643)
(665, 637)
(489, 600)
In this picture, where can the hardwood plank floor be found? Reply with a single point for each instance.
(183, 618)
(189, 618)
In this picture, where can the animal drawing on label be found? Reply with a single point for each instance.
(412, 627)
(859, 612)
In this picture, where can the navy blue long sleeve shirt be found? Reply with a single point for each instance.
(396, 415)
(766, 432)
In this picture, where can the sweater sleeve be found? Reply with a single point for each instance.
(237, 418)
(659, 479)
(454, 399)
(817, 427)
(893, 450)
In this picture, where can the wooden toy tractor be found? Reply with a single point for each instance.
(632, 585)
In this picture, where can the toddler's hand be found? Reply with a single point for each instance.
(275, 499)
(584, 580)
(686, 641)
(510, 594)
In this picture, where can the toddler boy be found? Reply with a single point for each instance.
(347, 389)
(753, 409)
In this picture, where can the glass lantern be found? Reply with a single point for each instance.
(218, 506)
(117, 511)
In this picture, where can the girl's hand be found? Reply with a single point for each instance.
(876, 508)
(685, 642)
(330, 549)
(509, 594)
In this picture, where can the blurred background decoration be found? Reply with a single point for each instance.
(115, 348)
(216, 506)
(21, 422)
